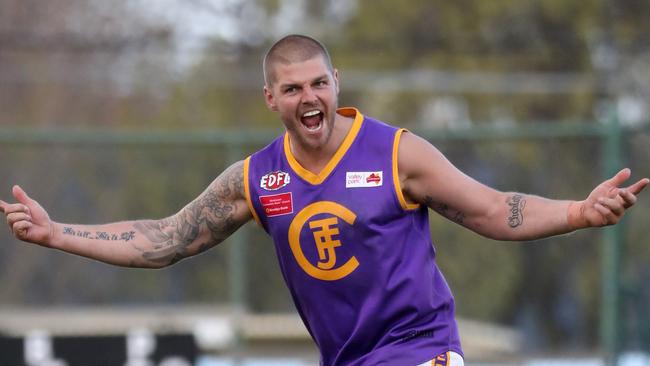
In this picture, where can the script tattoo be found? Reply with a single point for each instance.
(444, 210)
(125, 236)
(214, 209)
(517, 203)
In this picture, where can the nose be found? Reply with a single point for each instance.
(308, 96)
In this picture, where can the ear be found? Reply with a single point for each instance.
(336, 80)
(269, 99)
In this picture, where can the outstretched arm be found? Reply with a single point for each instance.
(427, 177)
(205, 222)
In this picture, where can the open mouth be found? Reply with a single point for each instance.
(312, 120)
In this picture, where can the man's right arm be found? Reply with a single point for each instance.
(203, 223)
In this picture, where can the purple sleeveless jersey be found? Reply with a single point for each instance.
(357, 258)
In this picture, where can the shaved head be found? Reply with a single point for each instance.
(290, 49)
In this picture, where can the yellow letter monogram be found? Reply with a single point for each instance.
(323, 236)
(324, 241)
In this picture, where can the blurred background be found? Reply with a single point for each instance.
(129, 108)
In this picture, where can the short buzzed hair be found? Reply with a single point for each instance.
(290, 49)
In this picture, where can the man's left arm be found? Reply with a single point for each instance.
(428, 178)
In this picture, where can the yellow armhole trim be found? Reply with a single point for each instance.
(247, 190)
(345, 145)
(398, 187)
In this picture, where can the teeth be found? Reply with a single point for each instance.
(311, 113)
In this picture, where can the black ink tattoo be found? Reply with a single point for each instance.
(444, 210)
(214, 210)
(127, 236)
(99, 235)
(517, 203)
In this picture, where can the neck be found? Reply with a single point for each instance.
(315, 159)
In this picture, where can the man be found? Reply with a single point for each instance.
(346, 199)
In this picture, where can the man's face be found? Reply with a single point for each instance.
(305, 94)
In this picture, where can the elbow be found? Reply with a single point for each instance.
(159, 265)
(504, 220)
(497, 234)
(155, 260)
(500, 234)
(141, 263)
(500, 230)
(492, 225)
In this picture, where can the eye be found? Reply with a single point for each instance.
(321, 83)
(290, 90)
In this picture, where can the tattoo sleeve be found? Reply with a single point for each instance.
(213, 213)
(444, 210)
(517, 203)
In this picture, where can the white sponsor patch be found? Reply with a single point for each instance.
(275, 180)
(363, 179)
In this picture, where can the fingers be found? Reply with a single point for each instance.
(19, 218)
(620, 177)
(613, 208)
(629, 199)
(608, 217)
(23, 200)
(15, 213)
(20, 195)
(21, 229)
(613, 205)
(9, 208)
(15, 217)
(637, 187)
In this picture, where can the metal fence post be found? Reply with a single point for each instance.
(237, 269)
(610, 327)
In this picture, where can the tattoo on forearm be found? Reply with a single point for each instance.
(444, 210)
(517, 203)
(214, 209)
(125, 236)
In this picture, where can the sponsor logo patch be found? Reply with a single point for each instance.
(275, 180)
(277, 204)
(363, 179)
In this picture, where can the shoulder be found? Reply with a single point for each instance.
(421, 167)
(414, 153)
(231, 181)
(383, 136)
(378, 125)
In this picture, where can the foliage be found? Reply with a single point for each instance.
(88, 65)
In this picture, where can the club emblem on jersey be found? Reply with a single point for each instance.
(275, 180)
(363, 179)
(324, 232)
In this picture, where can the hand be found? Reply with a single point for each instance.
(27, 219)
(607, 203)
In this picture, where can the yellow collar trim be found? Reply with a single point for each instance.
(338, 155)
